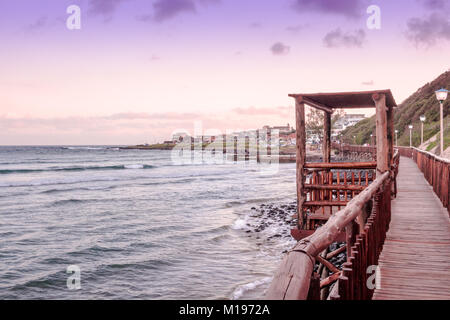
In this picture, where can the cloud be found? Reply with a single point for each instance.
(347, 8)
(168, 9)
(368, 83)
(38, 24)
(255, 25)
(154, 116)
(434, 4)
(297, 28)
(427, 31)
(338, 39)
(252, 111)
(104, 7)
(132, 127)
(280, 49)
(209, 2)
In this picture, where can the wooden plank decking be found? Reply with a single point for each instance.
(415, 260)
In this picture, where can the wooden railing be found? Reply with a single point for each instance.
(437, 172)
(353, 151)
(364, 222)
(405, 151)
(330, 186)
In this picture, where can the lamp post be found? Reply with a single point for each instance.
(410, 135)
(422, 119)
(396, 138)
(441, 95)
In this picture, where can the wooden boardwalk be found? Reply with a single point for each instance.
(415, 261)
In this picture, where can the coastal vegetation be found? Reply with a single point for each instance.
(422, 102)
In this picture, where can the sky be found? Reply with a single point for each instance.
(139, 70)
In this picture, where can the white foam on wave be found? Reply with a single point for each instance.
(241, 290)
(48, 182)
(134, 166)
(241, 223)
(85, 148)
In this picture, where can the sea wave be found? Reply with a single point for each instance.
(79, 168)
(85, 148)
(58, 182)
(241, 290)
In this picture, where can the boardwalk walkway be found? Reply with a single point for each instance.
(415, 261)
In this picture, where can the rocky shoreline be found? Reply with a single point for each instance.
(275, 221)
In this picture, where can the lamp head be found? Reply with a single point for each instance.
(441, 94)
(410, 126)
(396, 131)
(423, 118)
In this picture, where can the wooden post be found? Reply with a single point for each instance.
(301, 157)
(269, 143)
(224, 143)
(390, 133)
(247, 148)
(235, 156)
(382, 140)
(390, 138)
(257, 146)
(327, 137)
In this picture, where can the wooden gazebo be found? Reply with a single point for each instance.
(323, 188)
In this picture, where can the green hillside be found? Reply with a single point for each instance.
(422, 102)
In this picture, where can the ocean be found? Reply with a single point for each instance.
(136, 225)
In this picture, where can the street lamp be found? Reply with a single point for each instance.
(396, 138)
(422, 119)
(441, 95)
(410, 135)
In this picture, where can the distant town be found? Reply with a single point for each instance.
(286, 135)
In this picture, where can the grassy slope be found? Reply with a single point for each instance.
(421, 102)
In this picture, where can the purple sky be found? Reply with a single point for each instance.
(140, 69)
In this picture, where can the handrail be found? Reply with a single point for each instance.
(292, 279)
(437, 172)
(432, 155)
(341, 165)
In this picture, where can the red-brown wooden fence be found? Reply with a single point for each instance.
(437, 172)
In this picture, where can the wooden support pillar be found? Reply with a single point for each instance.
(224, 143)
(382, 134)
(235, 156)
(327, 137)
(301, 157)
(247, 148)
(257, 146)
(269, 143)
(390, 133)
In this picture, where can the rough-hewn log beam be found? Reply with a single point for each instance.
(317, 105)
(301, 157)
(342, 165)
(330, 280)
(382, 141)
(327, 137)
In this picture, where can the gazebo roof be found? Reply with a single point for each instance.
(344, 100)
